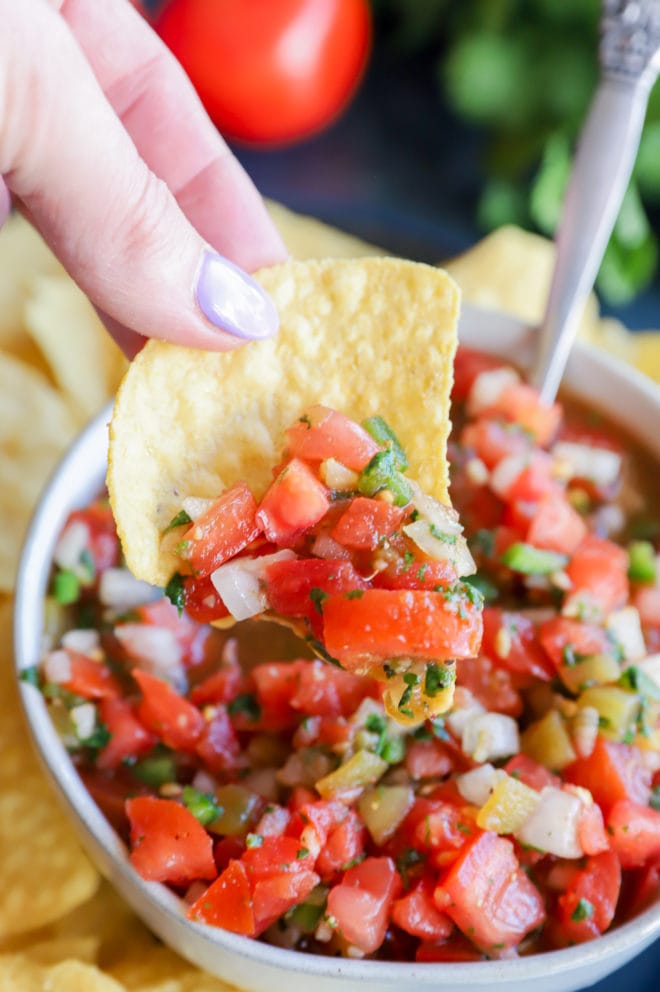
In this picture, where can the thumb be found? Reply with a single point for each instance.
(115, 226)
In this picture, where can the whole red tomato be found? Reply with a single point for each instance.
(270, 71)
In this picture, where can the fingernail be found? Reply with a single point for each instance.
(233, 301)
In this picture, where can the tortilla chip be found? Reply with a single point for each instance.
(306, 237)
(647, 353)
(35, 428)
(86, 363)
(510, 271)
(366, 337)
(43, 869)
(19, 973)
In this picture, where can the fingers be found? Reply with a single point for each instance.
(159, 108)
(116, 227)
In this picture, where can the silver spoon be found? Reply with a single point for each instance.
(630, 62)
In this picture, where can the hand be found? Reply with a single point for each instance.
(105, 146)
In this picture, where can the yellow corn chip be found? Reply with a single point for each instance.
(19, 973)
(43, 869)
(371, 336)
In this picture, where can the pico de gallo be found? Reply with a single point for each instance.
(281, 796)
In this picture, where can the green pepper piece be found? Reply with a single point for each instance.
(66, 587)
(641, 561)
(202, 805)
(155, 770)
(382, 473)
(529, 560)
(381, 431)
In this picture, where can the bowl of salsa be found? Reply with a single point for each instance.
(264, 812)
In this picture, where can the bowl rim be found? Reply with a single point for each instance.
(153, 901)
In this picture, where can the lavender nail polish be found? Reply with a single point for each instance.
(233, 301)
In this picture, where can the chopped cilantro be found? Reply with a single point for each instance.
(389, 670)
(245, 703)
(305, 420)
(637, 680)
(421, 572)
(483, 541)
(317, 597)
(583, 911)
(478, 588)
(301, 853)
(320, 650)
(88, 565)
(438, 677)
(355, 594)
(440, 536)
(408, 559)
(203, 805)
(30, 675)
(254, 840)
(156, 769)
(180, 519)
(375, 723)
(570, 657)
(393, 749)
(98, 738)
(175, 592)
(411, 680)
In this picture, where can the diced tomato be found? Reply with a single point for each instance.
(227, 849)
(298, 588)
(275, 682)
(201, 599)
(102, 542)
(90, 679)
(293, 503)
(531, 772)
(436, 824)
(647, 601)
(361, 902)
(324, 433)
(522, 405)
(598, 572)
(556, 526)
(642, 889)
(128, 738)
(489, 896)
(275, 895)
(389, 623)
(612, 772)
(417, 914)
(535, 481)
(366, 523)
(227, 527)
(591, 829)
(324, 690)
(220, 687)
(227, 903)
(634, 833)
(565, 640)
(345, 844)
(177, 722)
(218, 746)
(416, 575)
(428, 759)
(491, 685)
(491, 440)
(510, 639)
(276, 854)
(587, 907)
(167, 843)
(274, 820)
(468, 364)
(108, 789)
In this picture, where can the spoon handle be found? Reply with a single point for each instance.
(630, 60)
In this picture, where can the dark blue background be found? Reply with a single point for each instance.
(399, 171)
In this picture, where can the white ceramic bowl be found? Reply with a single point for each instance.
(627, 398)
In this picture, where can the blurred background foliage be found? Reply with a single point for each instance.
(522, 73)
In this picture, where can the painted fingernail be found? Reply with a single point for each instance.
(233, 301)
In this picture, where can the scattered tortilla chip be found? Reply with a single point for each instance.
(35, 428)
(366, 337)
(19, 973)
(510, 270)
(43, 869)
(647, 353)
(306, 237)
(86, 363)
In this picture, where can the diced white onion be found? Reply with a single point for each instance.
(476, 785)
(69, 548)
(488, 387)
(240, 583)
(459, 717)
(121, 591)
(337, 476)
(57, 667)
(455, 550)
(600, 465)
(84, 641)
(626, 627)
(505, 473)
(196, 506)
(490, 736)
(444, 518)
(155, 650)
(83, 718)
(651, 667)
(553, 825)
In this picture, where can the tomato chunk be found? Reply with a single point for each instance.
(366, 522)
(293, 503)
(128, 738)
(599, 573)
(389, 623)
(634, 833)
(489, 896)
(225, 529)
(587, 907)
(227, 903)
(90, 679)
(416, 913)
(613, 771)
(297, 588)
(361, 902)
(177, 722)
(556, 526)
(167, 843)
(324, 433)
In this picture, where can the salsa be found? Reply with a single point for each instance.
(290, 799)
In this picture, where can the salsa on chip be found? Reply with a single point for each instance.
(243, 483)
